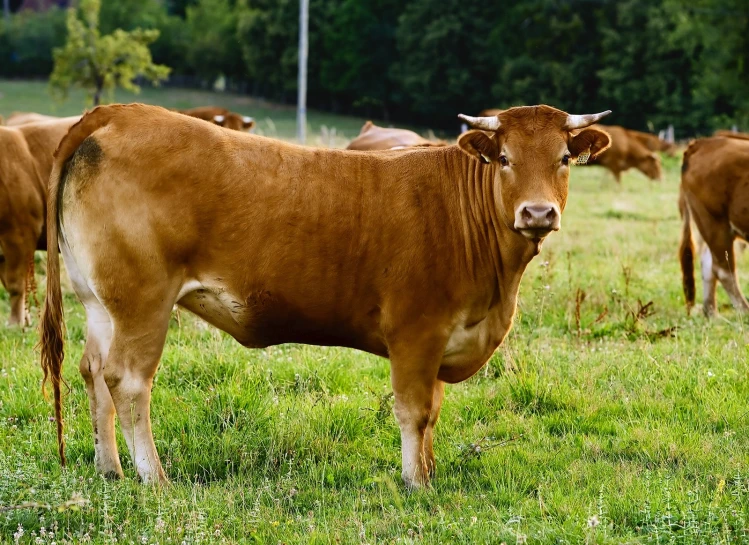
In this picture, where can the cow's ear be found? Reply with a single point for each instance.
(480, 145)
(591, 140)
(219, 120)
(247, 122)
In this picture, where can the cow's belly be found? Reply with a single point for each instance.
(469, 347)
(262, 319)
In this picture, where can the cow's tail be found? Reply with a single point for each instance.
(686, 252)
(52, 334)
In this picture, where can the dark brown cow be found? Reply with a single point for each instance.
(373, 138)
(221, 117)
(25, 164)
(714, 194)
(626, 152)
(414, 255)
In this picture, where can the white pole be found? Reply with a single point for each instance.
(6, 9)
(301, 109)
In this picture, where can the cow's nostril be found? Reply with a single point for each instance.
(551, 215)
(526, 214)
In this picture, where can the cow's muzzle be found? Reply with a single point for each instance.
(538, 219)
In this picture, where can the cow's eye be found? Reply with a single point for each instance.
(566, 159)
(503, 160)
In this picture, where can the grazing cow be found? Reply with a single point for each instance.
(22, 118)
(627, 151)
(372, 138)
(221, 117)
(653, 142)
(714, 193)
(25, 165)
(413, 255)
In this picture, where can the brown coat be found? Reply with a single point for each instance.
(372, 138)
(25, 163)
(714, 194)
(413, 255)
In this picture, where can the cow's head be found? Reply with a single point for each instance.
(649, 164)
(234, 121)
(533, 148)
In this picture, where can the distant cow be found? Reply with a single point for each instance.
(22, 118)
(627, 151)
(372, 138)
(653, 142)
(221, 117)
(415, 256)
(714, 194)
(25, 164)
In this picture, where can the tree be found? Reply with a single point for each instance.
(99, 63)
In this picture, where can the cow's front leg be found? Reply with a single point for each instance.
(437, 397)
(414, 378)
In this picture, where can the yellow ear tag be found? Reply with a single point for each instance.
(583, 158)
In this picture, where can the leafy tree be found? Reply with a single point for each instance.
(213, 49)
(99, 63)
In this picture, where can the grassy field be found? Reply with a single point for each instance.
(608, 416)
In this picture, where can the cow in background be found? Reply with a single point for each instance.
(372, 138)
(714, 194)
(21, 118)
(627, 151)
(221, 117)
(25, 164)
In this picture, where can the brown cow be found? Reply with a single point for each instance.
(413, 255)
(372, 138)
(22, 118)
(714, 194)
(627, 151)
(25, 165)
(221, 117)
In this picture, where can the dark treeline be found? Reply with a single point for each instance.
(654, 62)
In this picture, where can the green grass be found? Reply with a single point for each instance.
(590, 425)
(272, 119)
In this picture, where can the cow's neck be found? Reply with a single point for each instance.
(495, 256)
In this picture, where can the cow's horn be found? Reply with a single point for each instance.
(490, 123)
(218, 118)
(582, 121)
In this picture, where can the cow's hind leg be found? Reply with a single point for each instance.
(134, 355)
(709, 281)
(98, 340)
(719, 238)
(91, 367)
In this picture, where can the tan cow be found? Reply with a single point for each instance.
(627, 151)
(25, 165)
(22, 118)
(372, 138)
(714, 194)
(414, 255)
(221, 117)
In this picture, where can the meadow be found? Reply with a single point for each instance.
(608, 415)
